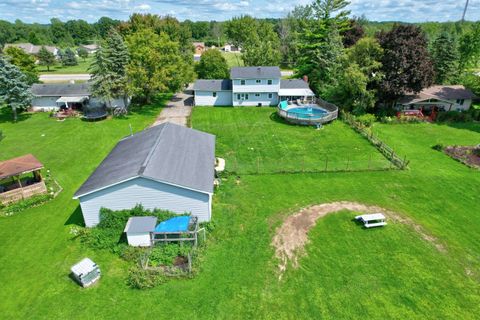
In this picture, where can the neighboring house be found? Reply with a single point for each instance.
(168, 167)
(250, 86)
(31, 48)
(199, 48)
(441, 98)
(91, 48)
(52, 97)
(231, 48)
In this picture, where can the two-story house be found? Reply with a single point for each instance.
(250, 86)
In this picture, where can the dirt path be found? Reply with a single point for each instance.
(178, 109)
(291, 238)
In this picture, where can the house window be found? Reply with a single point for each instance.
(246, 96)
(270, 96)
(257, 94)
(214, 94)
(258, 81)
(460, 101)
(242, 82)
(238, 96)
(270, 81)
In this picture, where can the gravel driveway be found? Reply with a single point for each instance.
(177, 110)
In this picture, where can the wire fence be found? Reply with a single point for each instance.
(351, 162)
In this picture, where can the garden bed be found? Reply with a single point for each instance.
(468, 155)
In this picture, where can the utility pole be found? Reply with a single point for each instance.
(464, 11)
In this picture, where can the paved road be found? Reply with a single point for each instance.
(64, 77)
(177, 110)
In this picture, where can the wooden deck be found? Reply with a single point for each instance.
(22, 193)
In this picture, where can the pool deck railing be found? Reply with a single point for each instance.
(294, 117)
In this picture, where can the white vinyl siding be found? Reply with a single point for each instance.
(251, 85)
(151, 194)
(255, 98)
(137, 239)
(207, 98)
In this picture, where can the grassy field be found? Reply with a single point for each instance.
(347, 272)
(81, 67)
(255, 140)
(233, 59)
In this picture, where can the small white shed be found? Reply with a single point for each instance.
(139, 229)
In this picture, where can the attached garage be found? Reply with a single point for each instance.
(213, 92)
(168, 167)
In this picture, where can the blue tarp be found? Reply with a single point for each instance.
(176, 224)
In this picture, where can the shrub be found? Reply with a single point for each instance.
(139, 278)
(438, 147)
(166, 254)
(455, 116)
(366, 119)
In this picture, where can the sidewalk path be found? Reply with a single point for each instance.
(177, 110)
(64, 77)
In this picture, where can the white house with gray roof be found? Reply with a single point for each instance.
(53, 96)
(168, 167)
(250, 86)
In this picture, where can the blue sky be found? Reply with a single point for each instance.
(90, 10)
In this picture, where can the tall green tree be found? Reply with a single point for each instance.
(24, 61)
(109, 69)
(321, 47)
(356, 89)
(212, 65)
(14, 88)
(156, 64)
(46, 58)
(262, 48)
(406, 62)
(82, 53)
(69, 58)
(445, 58)
(469, 47)
(240, 30)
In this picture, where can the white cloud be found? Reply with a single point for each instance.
(143, 7)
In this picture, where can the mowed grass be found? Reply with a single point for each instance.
(81, 67)
(234, 59)
(255, 140)
(347, 272)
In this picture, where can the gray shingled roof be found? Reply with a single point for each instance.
(293, 84)
(61, 89)
(213, 85)
(141, 224)
(168, 153)
(439, 92)
(255, 73)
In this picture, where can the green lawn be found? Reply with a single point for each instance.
(347, 273)
(255, 140)
(234, 59)
(82, 67)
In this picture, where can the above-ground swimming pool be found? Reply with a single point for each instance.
(308, 114)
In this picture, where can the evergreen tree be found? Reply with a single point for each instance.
(46, 58)
(212, 65)
(109, 69)
(69, 58)
(445, 58)
(321, 46)
(14, 89)
(262, 48)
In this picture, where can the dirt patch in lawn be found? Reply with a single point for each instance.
(466, 154)
(292, 236)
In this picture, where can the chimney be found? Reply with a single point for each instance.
(305, 78)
